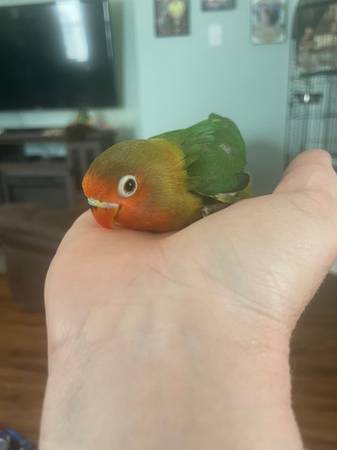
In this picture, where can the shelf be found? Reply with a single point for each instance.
(54, 135)
(19, 180)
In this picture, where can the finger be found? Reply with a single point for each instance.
(311, 171)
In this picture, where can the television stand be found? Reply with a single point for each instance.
(52, 182)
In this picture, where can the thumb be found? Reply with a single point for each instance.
(311, 172)
(310, 183)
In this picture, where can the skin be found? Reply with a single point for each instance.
(180, 341)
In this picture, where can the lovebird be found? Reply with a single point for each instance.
(168, 181)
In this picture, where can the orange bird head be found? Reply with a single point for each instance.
(139, 184)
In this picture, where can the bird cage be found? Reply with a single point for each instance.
(312, 114)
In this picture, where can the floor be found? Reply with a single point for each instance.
(23, 368)
(314, 369)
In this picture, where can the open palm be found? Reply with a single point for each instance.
(134, 310)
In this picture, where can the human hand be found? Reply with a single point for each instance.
(181, 340)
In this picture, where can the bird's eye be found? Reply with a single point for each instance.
(127, 186)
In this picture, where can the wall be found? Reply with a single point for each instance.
(170, 83)
(182, 79)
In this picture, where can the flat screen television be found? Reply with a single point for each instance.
(56, 55)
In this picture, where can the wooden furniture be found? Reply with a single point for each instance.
(52, 182)
(40, 182)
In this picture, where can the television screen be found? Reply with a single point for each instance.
(56, 55)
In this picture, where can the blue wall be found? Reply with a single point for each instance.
(183, 79)
(169, 83)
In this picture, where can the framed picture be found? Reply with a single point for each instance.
(217, 5)
(172, 17)
(268, 21)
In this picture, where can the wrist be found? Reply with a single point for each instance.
(257, 402)
(173, 374)
(242, 361)
(241, 376)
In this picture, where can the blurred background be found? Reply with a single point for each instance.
(77, 76)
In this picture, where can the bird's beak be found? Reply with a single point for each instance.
(104, 212)
(105, 205)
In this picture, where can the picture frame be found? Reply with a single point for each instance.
(268, 21)
(217, 5)
(172, 17)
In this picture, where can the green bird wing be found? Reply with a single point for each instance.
(215, 157)
(176, 136)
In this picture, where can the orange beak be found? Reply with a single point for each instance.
(104, 212)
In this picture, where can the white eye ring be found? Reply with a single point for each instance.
(127, 186)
